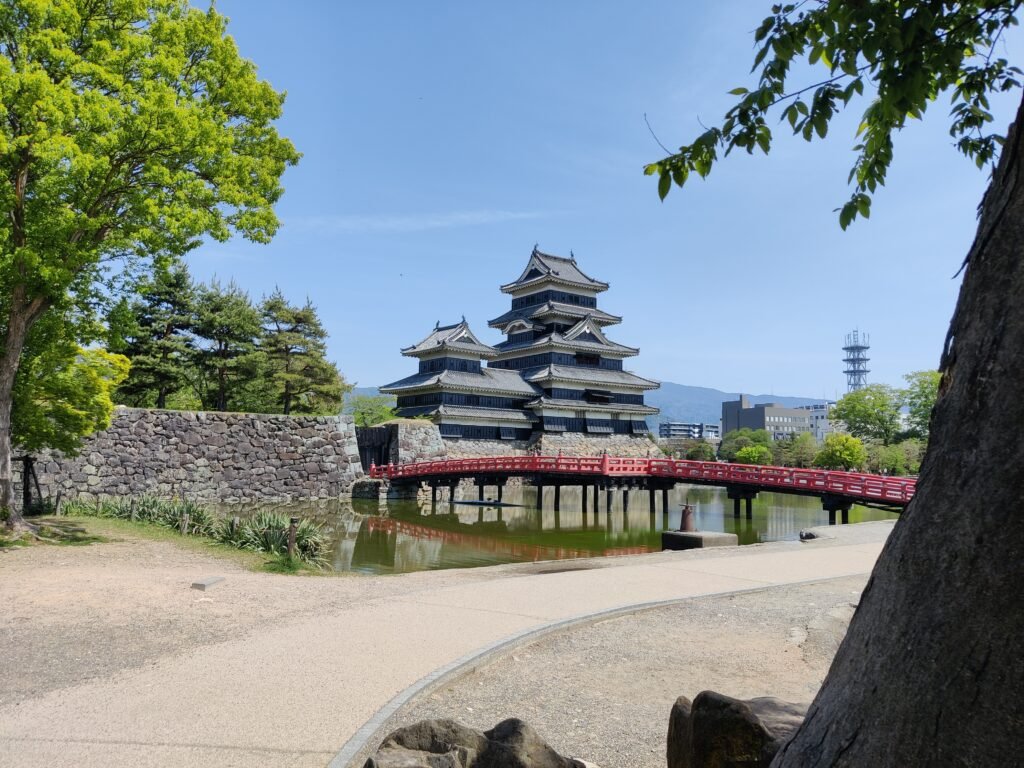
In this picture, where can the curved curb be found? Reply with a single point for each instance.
(467, 663)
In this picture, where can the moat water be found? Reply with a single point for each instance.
(403, 536)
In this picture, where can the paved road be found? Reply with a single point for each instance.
(294, 692)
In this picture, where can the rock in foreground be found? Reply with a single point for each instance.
(448, 744)
(717, 731)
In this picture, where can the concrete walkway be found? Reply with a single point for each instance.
(296, 691)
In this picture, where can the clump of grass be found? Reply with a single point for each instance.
(263, 532)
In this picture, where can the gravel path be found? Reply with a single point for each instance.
(603, 691)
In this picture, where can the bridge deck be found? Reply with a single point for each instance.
(894, 491)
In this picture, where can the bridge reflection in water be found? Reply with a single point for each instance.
(403, 536)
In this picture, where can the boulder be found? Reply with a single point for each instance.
(721, 732)
(448, 744)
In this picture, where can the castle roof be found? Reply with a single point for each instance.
(553, 309)
(585, 336)
(455, 338)
(582, 375)
(492, 380)
(545, 268)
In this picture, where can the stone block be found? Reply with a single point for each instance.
(680, 540)
(204, 584)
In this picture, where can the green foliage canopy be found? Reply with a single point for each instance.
(919, 396)
(368, 410)
(841, 451)
(870, 413)
(304, 381)
(130, 129)
(63, 392)
(754, 454)
(741, 438)
(905, 52)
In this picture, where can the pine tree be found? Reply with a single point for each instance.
(303, 379)
(159, 339)
(227, 360)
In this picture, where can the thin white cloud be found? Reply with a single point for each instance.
(414, 222)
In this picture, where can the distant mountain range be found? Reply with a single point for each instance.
(682, 402)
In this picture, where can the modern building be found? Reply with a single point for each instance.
(556, 370)
(779, 421)
(820, 425)
(686, 430)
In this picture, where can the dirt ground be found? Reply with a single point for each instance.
(602, 692)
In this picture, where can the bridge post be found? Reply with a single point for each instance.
(597, 494)
(652, 499)
(608, 505)
(833, 504)
(750, 507)
(625, 508)
(558, 497)
(451, 491)
(832, 517)
(846, 516)
(583, 504)
(540, 495)
(501, 487)
(433, 493)
(480, 490)
(736, 507)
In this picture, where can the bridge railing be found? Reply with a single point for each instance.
(894, 490)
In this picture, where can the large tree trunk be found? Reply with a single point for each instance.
(23, 315)
(931, 672)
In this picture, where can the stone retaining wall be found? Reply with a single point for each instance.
(578, 444)
(209, 456)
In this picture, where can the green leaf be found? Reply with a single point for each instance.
(738, 91)
(664, 185)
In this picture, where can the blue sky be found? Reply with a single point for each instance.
(442, 140)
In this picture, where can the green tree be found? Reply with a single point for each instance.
(941, 611)
(227, 327)
(754, 454)
(701, 450)
(294, 343)
(886, 459)
(62, 392)
(158, 339)
(870, 413)
(841, 451)
(803, 450)
(741, 438)
(368, 410)
(919, 397)
(131, 129)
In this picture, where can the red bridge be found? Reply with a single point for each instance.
(837, 490)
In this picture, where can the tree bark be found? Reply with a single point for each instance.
(22, 316)
(931, 672)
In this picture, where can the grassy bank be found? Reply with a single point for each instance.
(265, 533)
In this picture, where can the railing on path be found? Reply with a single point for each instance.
(896, 491)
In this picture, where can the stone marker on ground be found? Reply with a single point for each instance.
(677, 540)
(204, 584)
(717, 730)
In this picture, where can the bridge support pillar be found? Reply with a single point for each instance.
(833, 504)
(433, 494)
(652, 500)
(737, 493)
(540, 495)
(480, 490)
(597, 499)
(558, 498)
(501, 488)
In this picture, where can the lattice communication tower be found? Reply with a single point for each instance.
(856, 349)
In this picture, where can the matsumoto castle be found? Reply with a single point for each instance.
(555, 372)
